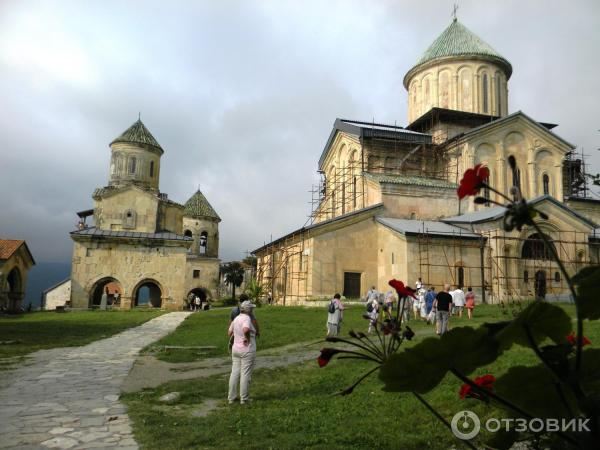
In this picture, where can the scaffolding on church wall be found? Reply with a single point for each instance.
(502, 272)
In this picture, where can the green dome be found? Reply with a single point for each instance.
(138, 134)
(458, 41)
(198, 207)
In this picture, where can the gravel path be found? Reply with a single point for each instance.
(69, 397)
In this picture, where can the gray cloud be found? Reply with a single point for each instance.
(242, 95)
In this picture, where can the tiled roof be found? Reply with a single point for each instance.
(138, 134)
(431, 227)
(8, 247)
(411, 180)
(96, 232)
(197, 206)
(458, 40)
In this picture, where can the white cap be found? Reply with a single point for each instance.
(247, 304)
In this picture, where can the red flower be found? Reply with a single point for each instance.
(403, 291)
(485, 382)
(326, 355)
(472, 181)
(572, 339)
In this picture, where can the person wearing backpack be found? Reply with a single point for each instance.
(335, 315)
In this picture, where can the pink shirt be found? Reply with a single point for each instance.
(237, 327)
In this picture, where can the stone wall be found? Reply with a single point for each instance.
(58, 296)
(129, 262)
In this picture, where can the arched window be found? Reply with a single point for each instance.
(151, 169)
(460, 276)
(132, 164)
(557, 277)
(484, 92)
(188, 233)
(534, 248)
(203, 242)
(546, 184)
(526, 277)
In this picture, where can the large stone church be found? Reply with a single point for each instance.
(142, 248)
(387, 206)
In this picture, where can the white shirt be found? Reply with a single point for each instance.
(458, 297)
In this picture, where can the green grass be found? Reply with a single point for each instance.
(293, 406)
(43, 330)
(278, 325)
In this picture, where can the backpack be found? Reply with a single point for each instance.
(331, 307)
(370, 307)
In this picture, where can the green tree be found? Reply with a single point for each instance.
(234, 275)
(255, 291)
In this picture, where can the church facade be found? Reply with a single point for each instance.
(387, 205)
(143, 249)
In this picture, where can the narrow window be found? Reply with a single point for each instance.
(516, 178)
(498, 96)
(151, 169)
(484, 92)
(196, 274)
(203, 242)
(546, 184)
(393, 262)
(460, 276)
(557, 277)
(526, 277)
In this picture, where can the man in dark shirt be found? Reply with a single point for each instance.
(443, 305)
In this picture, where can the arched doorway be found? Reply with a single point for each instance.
(14, 290)
(109, 286)
(202, 293)
(148, 293)
(540, 285)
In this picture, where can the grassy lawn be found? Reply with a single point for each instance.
(42, 330)
(294, 408)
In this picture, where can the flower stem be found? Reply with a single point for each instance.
(571, 288)
(441, 418)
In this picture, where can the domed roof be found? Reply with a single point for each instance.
(138, 134)
(458, 41)
(198, 207)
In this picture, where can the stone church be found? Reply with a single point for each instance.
(143, 249)
(387, 205)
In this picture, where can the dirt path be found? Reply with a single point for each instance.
(150, 372)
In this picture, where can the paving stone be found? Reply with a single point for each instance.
(40, 410)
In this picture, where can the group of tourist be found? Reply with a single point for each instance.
(429, 305)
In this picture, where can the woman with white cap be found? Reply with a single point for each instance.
(243, 353)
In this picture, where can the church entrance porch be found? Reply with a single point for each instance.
(149, 294)
(108, 286)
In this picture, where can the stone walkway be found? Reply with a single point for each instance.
(69, 397)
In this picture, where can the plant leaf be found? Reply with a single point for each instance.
(587, 281)
(423, 366)
(543, 320)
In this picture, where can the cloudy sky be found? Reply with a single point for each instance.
(242, 95)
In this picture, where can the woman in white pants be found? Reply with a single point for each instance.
(243, 353)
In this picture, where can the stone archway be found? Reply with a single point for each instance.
(14, 290)
(148, 293)
(109, 286)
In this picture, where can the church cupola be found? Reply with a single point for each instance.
(458, 71)
(135, 158)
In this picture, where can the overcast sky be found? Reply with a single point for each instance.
(242, 95)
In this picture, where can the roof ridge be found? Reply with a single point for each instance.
(138, 134)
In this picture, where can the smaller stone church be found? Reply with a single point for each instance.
(143, 249)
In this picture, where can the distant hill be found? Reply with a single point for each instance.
(42, 276)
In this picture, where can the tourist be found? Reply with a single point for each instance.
(197, 303)
(335, 315)
(458, 300)
(372, 294)
(243, 353)
(373, 313)
(236, 311)
(442, 304)
(390, 298)
(423, 304)
(470, 302)
(429, 299)
(418, 284)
